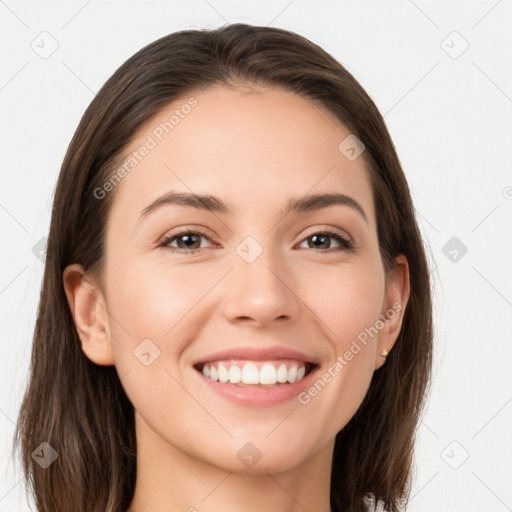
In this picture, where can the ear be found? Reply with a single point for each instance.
(89, 310)
(393, 307)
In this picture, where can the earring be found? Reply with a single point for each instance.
(384, 352)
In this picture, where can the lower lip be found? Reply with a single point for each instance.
(259, 396)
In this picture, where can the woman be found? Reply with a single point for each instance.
(236, 307)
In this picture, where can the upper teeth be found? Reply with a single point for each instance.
(254, 373)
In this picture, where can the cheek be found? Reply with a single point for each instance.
(157, 301)
(150, 309)
(347, 300)
(151, 298)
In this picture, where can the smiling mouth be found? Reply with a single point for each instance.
(256, 373)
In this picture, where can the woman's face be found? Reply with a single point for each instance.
(251, 276)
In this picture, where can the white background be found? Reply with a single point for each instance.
(450, 119)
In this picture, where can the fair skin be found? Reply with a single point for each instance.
(253, 148)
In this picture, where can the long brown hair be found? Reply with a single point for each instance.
(80, 408)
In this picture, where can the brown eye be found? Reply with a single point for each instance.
(322, 240)
(187, 241)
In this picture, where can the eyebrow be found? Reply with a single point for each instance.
(214, 204)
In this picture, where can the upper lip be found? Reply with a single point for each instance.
(258, 354)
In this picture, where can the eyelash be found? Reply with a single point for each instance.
(346, 243)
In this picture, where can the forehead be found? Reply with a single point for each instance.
(253, 147)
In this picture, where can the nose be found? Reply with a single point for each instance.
(261, 292)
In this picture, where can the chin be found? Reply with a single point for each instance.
(266, 455)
